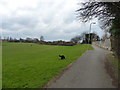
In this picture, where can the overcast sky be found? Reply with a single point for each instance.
(54, 19)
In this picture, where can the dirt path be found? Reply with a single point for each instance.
(87, 72)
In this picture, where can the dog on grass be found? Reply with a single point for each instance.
(62, 57)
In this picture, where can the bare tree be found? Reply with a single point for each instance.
(76, 38)
(42, 38)
(107, 12)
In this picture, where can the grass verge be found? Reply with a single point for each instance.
(112, 67)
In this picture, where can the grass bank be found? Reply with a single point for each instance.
(30, 65)
(113, 67)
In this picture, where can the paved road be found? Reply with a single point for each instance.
(87, 72)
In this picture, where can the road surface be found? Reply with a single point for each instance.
(87, 72)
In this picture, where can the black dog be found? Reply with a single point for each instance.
(62, 57)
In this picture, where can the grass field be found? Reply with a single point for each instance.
(26, 66)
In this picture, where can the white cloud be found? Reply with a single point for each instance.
(54, 19)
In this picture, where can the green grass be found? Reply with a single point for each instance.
(26, 66)
(114, 61)
(114, 66)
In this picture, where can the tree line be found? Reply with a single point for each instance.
(28, 39)
(39, 41)
(86, 38)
